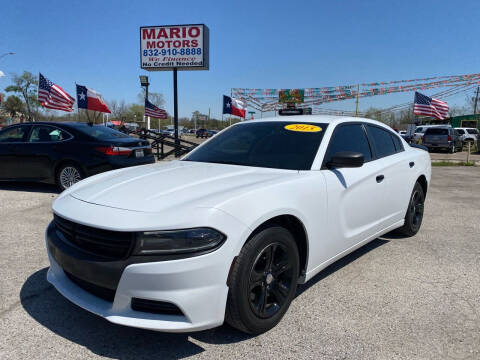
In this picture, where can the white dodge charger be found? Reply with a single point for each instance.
(228, 232)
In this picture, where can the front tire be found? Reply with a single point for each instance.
(67, 175)
(414, 216)
(263, 281)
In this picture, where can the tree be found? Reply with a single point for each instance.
(119, 109)
(25, 85)
(470, 103)
(155, 98)
(13, 105)
(135, 112)
(457, 110)
(374, 113)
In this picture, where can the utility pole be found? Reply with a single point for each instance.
(476, 102)
(144, 83)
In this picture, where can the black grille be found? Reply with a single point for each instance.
(157, 307)
(114, 245)
(99, 291)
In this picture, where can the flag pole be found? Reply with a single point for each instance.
(356, 102)
(230, 108)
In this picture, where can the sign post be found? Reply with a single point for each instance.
(175, 112)
(174, 48)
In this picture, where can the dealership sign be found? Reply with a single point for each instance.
(291, 96)
(184, 47)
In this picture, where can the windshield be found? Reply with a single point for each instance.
(472, 131)
(264, 144)
(101, 132)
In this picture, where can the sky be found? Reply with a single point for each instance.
(253, 44)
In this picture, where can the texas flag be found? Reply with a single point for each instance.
(89, 99)
(234, 106)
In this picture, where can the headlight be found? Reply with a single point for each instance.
(178, 241)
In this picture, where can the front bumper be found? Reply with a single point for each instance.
(196, 285)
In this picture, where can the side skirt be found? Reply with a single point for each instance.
(322, 266)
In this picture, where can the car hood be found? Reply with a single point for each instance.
(160, 187)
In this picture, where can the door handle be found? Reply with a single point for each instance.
(411, 164)
(380, 178)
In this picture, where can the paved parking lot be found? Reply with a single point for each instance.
(395, 298)
(458, 156)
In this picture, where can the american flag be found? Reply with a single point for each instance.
(424, 105)
(153, 111)
(53, 96)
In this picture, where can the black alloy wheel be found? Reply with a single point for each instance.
(414, 216)
(263, 281)
(271, 279)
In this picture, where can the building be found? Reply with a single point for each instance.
(471, 121)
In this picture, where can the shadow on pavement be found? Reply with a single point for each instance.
(337, 265)
(52, 310)
(29, 187)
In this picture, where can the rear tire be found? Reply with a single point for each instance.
(67, 175)
(263, 281)
(414, 216)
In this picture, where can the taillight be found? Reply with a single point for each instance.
(114, 150)
(449, 138)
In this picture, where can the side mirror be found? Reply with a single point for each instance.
(346, 159)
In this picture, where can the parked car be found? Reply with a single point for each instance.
(468, 135)
(65, 153)
(203, 133)
(237, 223)
(442, 137)
(420, 131)
(171, 132)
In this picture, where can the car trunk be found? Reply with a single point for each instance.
(125, 147)
(130, 142)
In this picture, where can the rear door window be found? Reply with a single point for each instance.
(397, 142)
(383, 142)
(349, 137)
(15, 134)
(460, 131)
(43, 133)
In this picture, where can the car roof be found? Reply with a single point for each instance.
(437, 125)
(440, 127)
(320, 119)
(59, 123)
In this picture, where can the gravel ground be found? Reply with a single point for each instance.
(395, 298)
